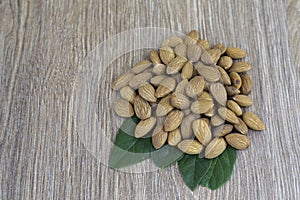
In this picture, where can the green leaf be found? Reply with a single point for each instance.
(220, 170)
(166, 156)
(192, 169)
(129, 150)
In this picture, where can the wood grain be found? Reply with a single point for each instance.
(42, 46)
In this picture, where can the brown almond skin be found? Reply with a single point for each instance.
(195, 86)
(175, 65)
(228, 115)
(201, 107)
(174, 137)
(154, 57)
(159, 137)
(159, 69)
(202, 131)
(215, 148)
(122, 81)
(166, 54)
(128, 94)
(139, 79)
(236, 80)
(123, 108)
(173, 120)
(225, 62)
(246, 84)
(209, 73)
(194, 34)
(236, 53)
(165, 87)
(215, 54)
(242, 100)
(231, 90)
(190, 146)
(253, 121)
(144, 127)
(142, 108)
(147, 91)
(240, 67)
(221, 47)
(164, 106)
(237, 141)
(241, 127)
(204, 44)
(219, 93)
(225, 79)
(180, 50)
(187, 71)
(180, 101)
(156, 80)
(194, 52)
(234, 107)
(141, 66)
(222, 130)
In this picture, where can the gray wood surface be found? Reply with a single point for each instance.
(42, 46)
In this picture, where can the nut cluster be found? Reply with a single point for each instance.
(190, 95)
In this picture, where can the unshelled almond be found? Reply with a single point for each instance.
(159, 137)
(165, 87)
(237, 140)
(241, 127)
(253, 121)
(203, 43)
(164, 106)
(141, 107)
(246, 84)
(195, 86)
(190, 146)
(209, 73)
(122, 81)
(187, 71)
(242, 100)
(180, 50)
(166, 54)
(194, 52)
(228, 115)
(128, 94)
(141, 66)
(147, 91)
(240, 67)
(139, 79)
(215, 148)
(123, 108)
(221, 47)
(186, 126)
(173, 120)
(219, 93)
(202, 131)
(201, 106)
(225, 62)
(174, 137)
(154, 57)
(144, 127)
(222, 130)
(180, 101)
(236, 80)
(156, 80)
(236, 53)
(175, 65)
(206, 58)
(225, 79)
(234, 107)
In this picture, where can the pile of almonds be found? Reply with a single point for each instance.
(190, 95)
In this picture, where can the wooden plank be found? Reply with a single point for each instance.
(43, 44)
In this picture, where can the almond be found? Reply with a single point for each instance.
(194, 52)
(225, 62)
(204, 44)
(174, 41)
(194, 34)
(215, 148)
(206, 58)
(180, 50)
(211, 112)
(144, 127)
(180, 101)
(159, 69)
(186, 111)
(228, 115)
(234, 107)
(173, 120)
(128, 94)
(141, 107)
(180, 88)
(174, 137)
(176, 64)
(165, 87)
(201, 107)
(215, 54)
(246, 84)
(166, 54)
(139, 80)
(186, 126)
(237, 140)
(156, 80)
(202, 131)
(236, 53)
(216, 120)
(235, 79)
(191, 147)
(164, 106)
(123, 108)
(222, 130)
(210, 73)
(225, 79)
(195, 86)
(221, 47)
(231, 90)
(147, 91)
(242, 100)
(253, 121)
(159, 137)
(219, 93)
(240, 67)
(154, 57)
(141, 66)
(241, 127)
(187, 71)
(122, 81)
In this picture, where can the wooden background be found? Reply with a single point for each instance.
(43, 44)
